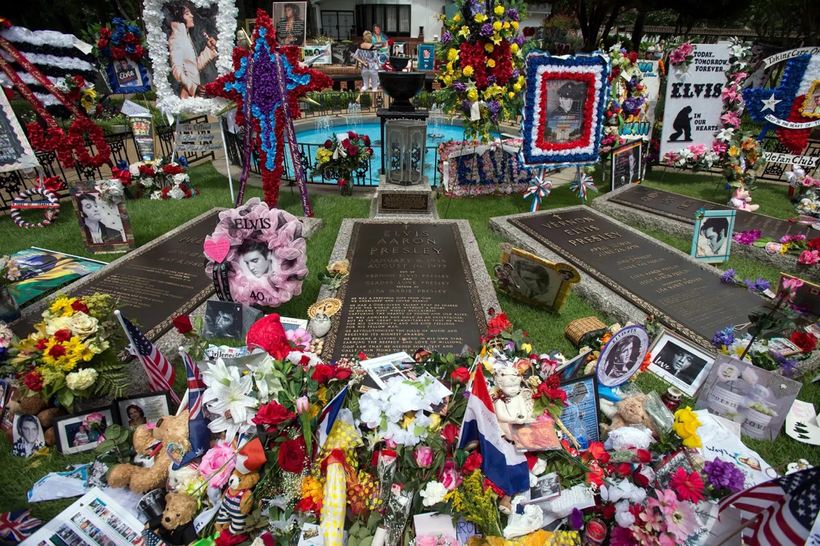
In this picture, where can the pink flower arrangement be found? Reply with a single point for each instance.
(217, 464)
(299, 337)
(681, 55)
(436, 540)
(809, 257)
(730, 119)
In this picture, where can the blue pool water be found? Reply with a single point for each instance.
(373, 130)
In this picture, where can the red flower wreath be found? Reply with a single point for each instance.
(56, 141)
(795, 139)
(76, 133)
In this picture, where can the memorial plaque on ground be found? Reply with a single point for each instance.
(651, 275)
(410, 286)
(154, 283)
(683, 208)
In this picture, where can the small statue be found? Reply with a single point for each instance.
(320, 325)
(512, 403)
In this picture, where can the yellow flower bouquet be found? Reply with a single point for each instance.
(72, 353)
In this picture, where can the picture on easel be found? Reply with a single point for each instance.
(627, 165)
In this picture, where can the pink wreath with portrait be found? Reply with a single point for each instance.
(267, 258)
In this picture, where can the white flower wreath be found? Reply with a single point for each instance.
(159, 53)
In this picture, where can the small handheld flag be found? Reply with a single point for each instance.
(198, 432)
(160, 373)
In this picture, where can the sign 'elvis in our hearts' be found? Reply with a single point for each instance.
(694, 102)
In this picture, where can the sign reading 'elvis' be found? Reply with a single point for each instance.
(694, 100)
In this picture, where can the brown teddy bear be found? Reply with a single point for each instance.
(168, 430)
(177, 519)
(630, 412)
(237, 502)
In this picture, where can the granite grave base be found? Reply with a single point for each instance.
(615, 206)
(393, 201)
(463, 278)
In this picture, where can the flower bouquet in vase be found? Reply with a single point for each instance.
(341, 158)
(73, 352)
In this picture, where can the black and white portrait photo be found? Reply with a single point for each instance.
(712, 238)
(548, 486)
(565, 103)
(622, 356)
(100, 221)
(27, 434)
(256, 259)
(223, 320)
(534, 281)
(679, 362)
(626, 165)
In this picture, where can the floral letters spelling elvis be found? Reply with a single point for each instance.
(587, 72)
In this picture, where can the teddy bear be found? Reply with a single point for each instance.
(178, 519)
(237, 502)
(168, 430)
(630, 412)
(741, 199)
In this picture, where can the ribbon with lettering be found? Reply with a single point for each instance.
(298, 167)
(35, 73)
(26, 93)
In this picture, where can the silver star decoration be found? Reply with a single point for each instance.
(769, 103)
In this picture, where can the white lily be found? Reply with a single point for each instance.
(227, 397)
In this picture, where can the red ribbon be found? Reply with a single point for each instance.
(6, 46)
(27, 94)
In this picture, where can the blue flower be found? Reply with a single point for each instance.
(758, 286)
(122, 164)
(135, 30)
(182, 161)
(729, 276)
(724, 337)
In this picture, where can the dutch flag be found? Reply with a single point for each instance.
(329, 415)
(504, 466)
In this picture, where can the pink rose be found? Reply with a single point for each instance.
(809, 257)
(302, 404)
(426, 540)
(213, 461)
(423, 456)
(449, 476)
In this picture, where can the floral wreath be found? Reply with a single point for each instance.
(281, 232)
(159, 53)
(64, 144)
(591, 69)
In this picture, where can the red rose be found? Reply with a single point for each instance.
(62, 335)
(102, 44)
(139, 53)
(80, 306)
(639, 479)
(33, 381)
(390, 42)
(352, 136)
(146, 170)
(609, 511)
(633, 56)
(132, 39)
(366, 140)
(345, 144)
(56, 351)
(596, 451)
(183, 324)
(449, 432)
(272, 413)
(328, 144)
(623, 470)
(460, 375)
(644, 456)
(292, 455)
(806, 342)
(322, 373)
(342, 373)
(353, 150)
(118, 53)
(814, 244)
(124, 175)
(79, 81)
(105, 33)
(473, 462)
(173, 169)
(41, 344)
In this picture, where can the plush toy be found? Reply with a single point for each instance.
(152, 442)
(741, 199)
(180, 478)
(178, 519)
(268, 333)
(631, 411)
(237, 502)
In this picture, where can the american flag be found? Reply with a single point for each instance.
(784, 509)
(150, 538)
(160, 373)
(17, 526)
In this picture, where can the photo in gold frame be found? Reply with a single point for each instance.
(533, 280)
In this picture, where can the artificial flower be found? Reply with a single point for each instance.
(227, 396)
(273, 413)
(182, 323)
(805, 341)
(681, 522)
(686, 426)
(687, 485)
(433, 493)
(724, 475)
(217, 464)
(82, 325)
(81, 380)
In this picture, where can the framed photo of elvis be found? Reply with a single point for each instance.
(563, 109)
(580, 416)
(289, 20)
(679, 362)
(127, 76)
(622, 355)
(627, 165)
(105, 227)
(534, 280)
(190, 43)
(712, 238)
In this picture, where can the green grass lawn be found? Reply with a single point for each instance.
(153, 218)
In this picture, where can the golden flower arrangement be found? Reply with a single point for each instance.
(72, 352)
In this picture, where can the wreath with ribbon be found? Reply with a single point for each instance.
(70, 148)
(51, 206)
(255, 227)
